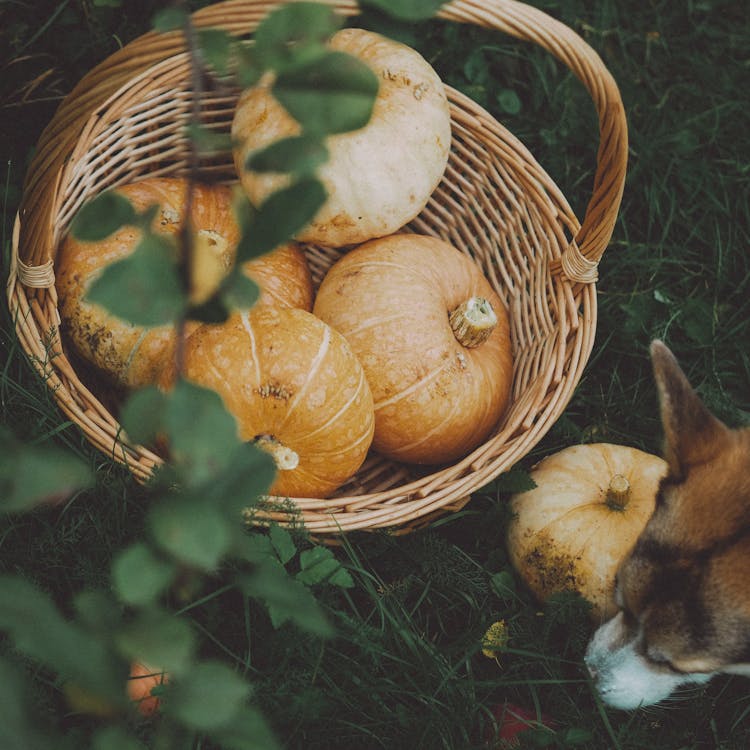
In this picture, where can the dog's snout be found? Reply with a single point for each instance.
(590, 668)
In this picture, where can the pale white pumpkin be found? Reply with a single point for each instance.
(573, 530)
(379, 177)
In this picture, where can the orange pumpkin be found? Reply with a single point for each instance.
(283, 277)
(141, 682)
(132, 354)
(295, 388)
(433, 338)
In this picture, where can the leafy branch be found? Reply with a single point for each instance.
(192, 528)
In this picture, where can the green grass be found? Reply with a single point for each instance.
(406, 669)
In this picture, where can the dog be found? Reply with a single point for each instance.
(683, 591)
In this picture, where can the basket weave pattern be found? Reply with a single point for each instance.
(125, 120)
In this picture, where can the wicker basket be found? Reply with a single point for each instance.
(125, 120)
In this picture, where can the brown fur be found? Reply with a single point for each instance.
(684, 590)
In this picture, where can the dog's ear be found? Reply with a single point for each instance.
(692, 434)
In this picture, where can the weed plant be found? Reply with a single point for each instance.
(406, 669)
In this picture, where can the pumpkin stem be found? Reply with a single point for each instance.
(473, 321)
(618, 492)
(285, 458)
(210, 263)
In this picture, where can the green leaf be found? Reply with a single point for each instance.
(475, 68)
(249, 69)
(299, 155)
(19, 718)
(539, 737)
(509, 101)
(333, 94)
(216, 48)
(254, 547)
(208, 696)
(202, 433)
(342, 578)
(191, 530)
(115, 738)
(97, 611)
(287, 600)
(244, 211)
(142, 415)
(575, 736)
(139, 575)
(158, 638)
(37, 629)
(293, 33)
(407, 10)
(102, 216)
(513, 482)
(280, 216)
(247, 730)
(248, 475)
(319, 564)
(238, 291)
(144, 220)
(283, 543)
(213, 310)
(503, 585)
(143, 289)
(30, 475)
(169, 19)
(697, 319)
(107, 3)
(207, 141)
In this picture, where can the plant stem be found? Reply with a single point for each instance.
(186, 242)
(286, 459)
(473, 321)
(618, 492)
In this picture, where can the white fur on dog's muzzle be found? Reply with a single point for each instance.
(623, 677)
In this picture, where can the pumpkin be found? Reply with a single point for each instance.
(572, 530)
(295, 388)
(511, 722)
(378, 177)
(283, 276)
(130, 354)
(141, 682)
(433, 338)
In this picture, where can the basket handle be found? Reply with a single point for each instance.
(579, 262)
(522, 21)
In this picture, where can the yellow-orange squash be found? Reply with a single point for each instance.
(130, 354)
(572, 531)
(379, 177)
(141, 681)
(295, 387)
(433, 338)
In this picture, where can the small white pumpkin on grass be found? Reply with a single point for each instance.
(571, 532)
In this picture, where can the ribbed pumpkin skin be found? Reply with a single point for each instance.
(435, 400)
(132, 355)
(283, 276)
(284, 373)
(564, 535)
(378, 178)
